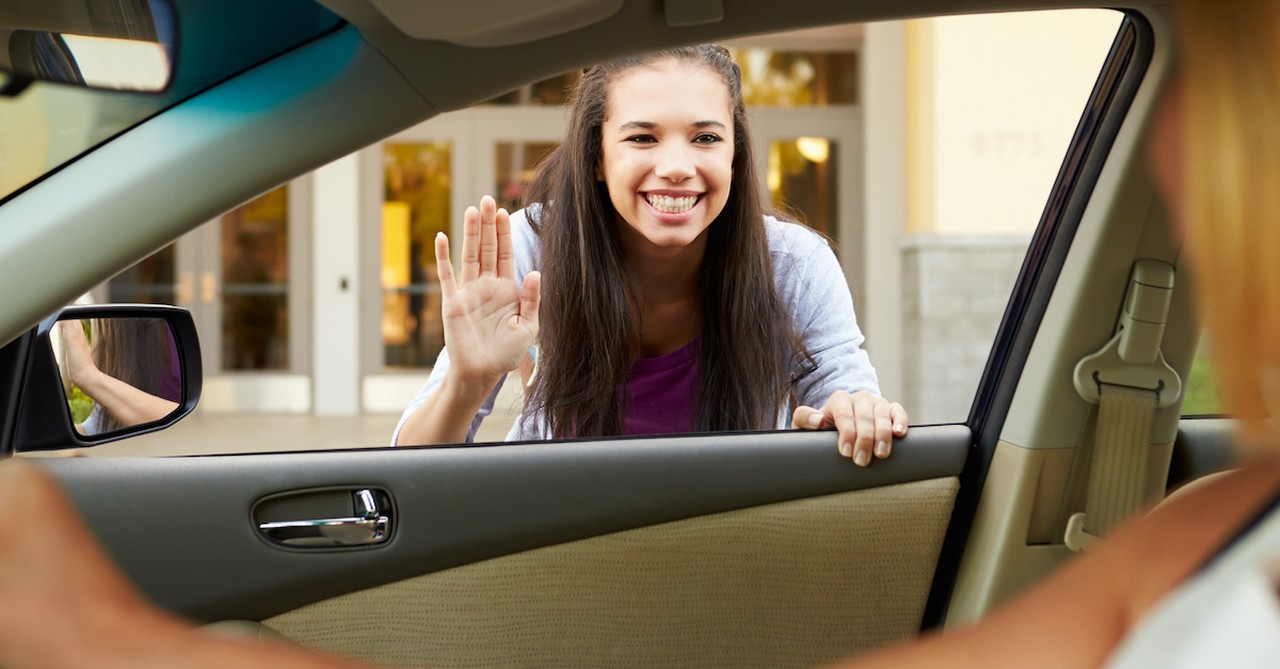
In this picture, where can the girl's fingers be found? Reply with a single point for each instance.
(444, 267)
(531, 297)
(884, 428)
(807, 418)
(470, 244)
(901, 421)
(506, 257)
(866, 424)
(488, 236)
(856, 430)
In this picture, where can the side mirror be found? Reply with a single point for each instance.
(105, 372)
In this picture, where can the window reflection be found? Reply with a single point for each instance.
(255, 297)
(417, 197)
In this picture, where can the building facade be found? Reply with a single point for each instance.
(925, 150)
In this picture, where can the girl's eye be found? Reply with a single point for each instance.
(642, 139)
(706, 138)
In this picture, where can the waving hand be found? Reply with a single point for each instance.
(490, 321)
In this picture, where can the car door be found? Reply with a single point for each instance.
(733, 549)
(745, 549)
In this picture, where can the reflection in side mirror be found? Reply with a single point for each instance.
(101, 372)
(117, 372)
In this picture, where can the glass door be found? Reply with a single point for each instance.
(153, 280)
(241, 276)
(252, 272)
(412, 193)
(811, 162)
(419, 183)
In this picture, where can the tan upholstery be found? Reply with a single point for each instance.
(245, 629)
(787, 584)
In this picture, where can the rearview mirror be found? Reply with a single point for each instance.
(124, 45)
(104, 372)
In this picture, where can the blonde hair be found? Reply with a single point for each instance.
(1231, 196)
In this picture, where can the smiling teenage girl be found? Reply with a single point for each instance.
(672, 302)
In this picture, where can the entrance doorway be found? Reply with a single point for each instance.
(420, 181)
(242, 277)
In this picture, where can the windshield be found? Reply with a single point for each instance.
(47, 125)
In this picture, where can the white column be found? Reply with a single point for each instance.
(335, 311)
(883, 73)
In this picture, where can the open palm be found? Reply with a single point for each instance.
(490, 321)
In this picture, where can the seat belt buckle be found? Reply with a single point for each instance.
(1076, 538)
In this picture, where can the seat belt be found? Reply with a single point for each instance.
(1129, 380)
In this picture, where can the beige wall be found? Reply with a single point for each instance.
(967, 123)
(992, 102)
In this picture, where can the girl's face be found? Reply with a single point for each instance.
(667, 153)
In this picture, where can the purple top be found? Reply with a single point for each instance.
(663, 390)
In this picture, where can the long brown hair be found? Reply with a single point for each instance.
(139, 352)
(590, 315)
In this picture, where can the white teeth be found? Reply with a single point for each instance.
(672, 205)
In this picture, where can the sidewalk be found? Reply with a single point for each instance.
(209, 433)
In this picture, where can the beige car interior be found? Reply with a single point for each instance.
(1038, 480)
(670, 594)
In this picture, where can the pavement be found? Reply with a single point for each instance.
(206, 433)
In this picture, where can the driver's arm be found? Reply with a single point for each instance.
(63, 603)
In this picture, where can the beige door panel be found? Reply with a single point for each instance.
(788, 584)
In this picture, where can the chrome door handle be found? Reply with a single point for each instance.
(328, 532)
(369, 528)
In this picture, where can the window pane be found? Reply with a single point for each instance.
(255, 291)
(772, 78)
(802, 179)
(992, 102)
(515, 163)
(416, 205)
(1201, 389)
(980, 118)
(150, 281)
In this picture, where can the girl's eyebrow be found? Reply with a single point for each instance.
(650, 125)
(638, 125)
